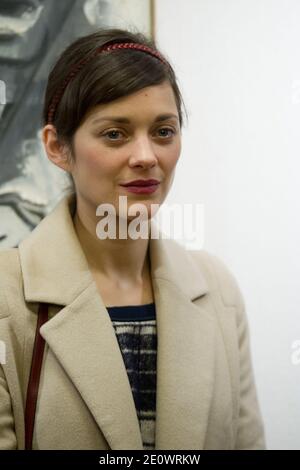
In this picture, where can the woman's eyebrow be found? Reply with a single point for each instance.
(121, 119)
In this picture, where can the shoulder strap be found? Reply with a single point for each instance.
(34, 377)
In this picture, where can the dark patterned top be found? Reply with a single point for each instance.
(135, 327)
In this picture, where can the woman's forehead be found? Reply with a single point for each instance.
(158, 106)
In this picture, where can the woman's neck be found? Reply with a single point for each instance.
(116, 259)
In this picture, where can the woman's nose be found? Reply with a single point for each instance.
(143, 152)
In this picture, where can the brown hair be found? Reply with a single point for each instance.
(107, 77)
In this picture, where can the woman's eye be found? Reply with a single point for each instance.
(168, 130)
(112, 135)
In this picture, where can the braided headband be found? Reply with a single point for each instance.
(126, 45)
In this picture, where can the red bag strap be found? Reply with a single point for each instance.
(34, 377)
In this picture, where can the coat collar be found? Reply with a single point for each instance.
(55, 271)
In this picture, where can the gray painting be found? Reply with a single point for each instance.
(32, 34)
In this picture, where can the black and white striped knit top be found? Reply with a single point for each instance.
(135, 328)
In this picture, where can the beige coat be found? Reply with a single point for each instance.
(206, 395)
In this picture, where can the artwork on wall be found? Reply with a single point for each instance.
(32, 35)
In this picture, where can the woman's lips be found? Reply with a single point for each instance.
(142, 189)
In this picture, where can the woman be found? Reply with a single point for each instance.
(146, 344)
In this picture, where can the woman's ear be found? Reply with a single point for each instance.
(57, 152)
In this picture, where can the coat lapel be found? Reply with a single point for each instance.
(83, 339)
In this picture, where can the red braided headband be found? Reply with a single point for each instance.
(126, 45)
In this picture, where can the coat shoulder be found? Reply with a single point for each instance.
(10, 277)
(219, 277)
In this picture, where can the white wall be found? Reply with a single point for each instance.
(238, 64)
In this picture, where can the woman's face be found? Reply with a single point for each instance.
(110, 153)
